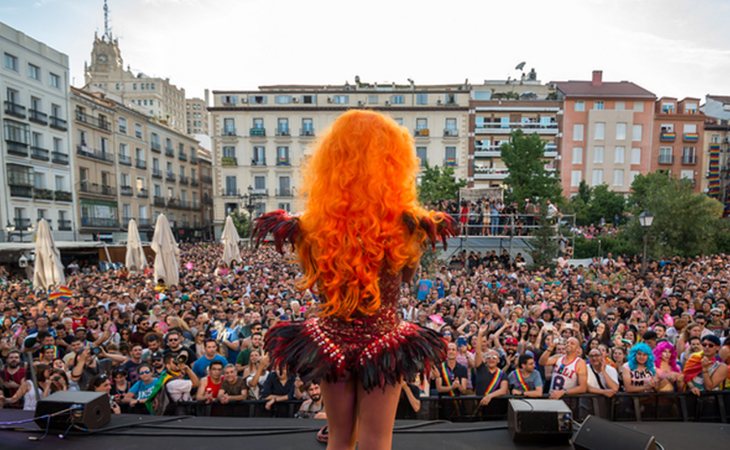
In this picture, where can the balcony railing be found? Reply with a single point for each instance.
(690, 137)
(59, 158)
(143, 193)
(490, 173)
(193, 159)
(98, 189)
(155, 147)
(194, 182)
(449, 132)
(507, 127)
(21, 190)
(170, 177)
(422, 132)
(140, 164)
(283, 162)
(125, 160)
(63, 196)
(229, 161)
(169, 151)
(99, 222)
(16, 148)
(64, 225)
(450, 162)
(283, 132)
(667, 136)
(689, 159)
(306, 132)
(257, 132)
(14, 109)
(40, 153)
(666, 159)
(84, 150)
(126, 191)
(229, 132)
(184, 179)
(21, 223)
(156, 173)
(182, 156)
(58, 123)
(42, 194)
(37, 116)
(284, 193)
(158, 201)
(144, 223)
(97, 122)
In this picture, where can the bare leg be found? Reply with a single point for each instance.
(376, 416)
(340, 403)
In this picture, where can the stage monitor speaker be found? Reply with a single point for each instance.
(91, 410)
(600, 434)
(539, 420)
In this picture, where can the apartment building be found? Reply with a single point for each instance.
(260, 138)
(206, 192)
(499, 107)
(196, 115)
(34, 152)
(678, 139)
(607, 133)
(716, 168)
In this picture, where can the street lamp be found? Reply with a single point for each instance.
(250, 202)
(10, 229)
(645, 220)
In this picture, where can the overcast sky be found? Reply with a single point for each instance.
(671, 47)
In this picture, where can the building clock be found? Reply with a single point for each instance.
(102, 58)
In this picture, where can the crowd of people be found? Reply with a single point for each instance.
(511, 330)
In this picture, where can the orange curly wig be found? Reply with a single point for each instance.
(359, 183)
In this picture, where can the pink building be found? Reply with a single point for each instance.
(607, 133)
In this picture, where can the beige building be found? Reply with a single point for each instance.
(260, 138)
(716, 162)
(129, 165)
(196, 114)
(154, 96)
(206, 192)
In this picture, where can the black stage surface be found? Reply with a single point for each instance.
(130, 432)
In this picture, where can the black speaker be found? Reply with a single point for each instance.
(90, 410)
(600, 434)
(539, 420)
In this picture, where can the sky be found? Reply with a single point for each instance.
(676, 48)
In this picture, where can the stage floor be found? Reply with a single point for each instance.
(130, 432)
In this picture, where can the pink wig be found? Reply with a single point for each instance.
(659, 349)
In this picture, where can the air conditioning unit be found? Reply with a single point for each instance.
(244, 100)
(329, 99)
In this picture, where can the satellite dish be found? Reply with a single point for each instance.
(521, 65)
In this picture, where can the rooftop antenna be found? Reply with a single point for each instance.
(107, 29)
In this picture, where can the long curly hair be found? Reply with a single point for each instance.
(659, 349)
(643, 348)
(358, 184)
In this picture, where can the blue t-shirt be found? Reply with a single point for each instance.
(141, 390)
(231, 336)
(201, 364)
(424, 287)
(533, 381)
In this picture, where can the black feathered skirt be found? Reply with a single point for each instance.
(376, 350)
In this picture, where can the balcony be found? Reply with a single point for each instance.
(126, 191)
(284, 193)
(38, 117)
(667, 136)
(170, 177)
(450, 162)
(690, 137)
(21, 223)
(64, 225)
(59, 158)
(63, 196)
(258, 162)
(450, 132)
(140, 164)
(59, 124)
(229, 132)
(283, 132)
(156, 173)
(508, 127)
(88, 152)
(490, 173)
(488, 151)
(283, 161)
(14, 109)
(257, 132)
(159, 201)
(229, 161)
(182, 156)
(689, 159)
(306, 132)
(207, 179)
(39, 153)
(21, 190)
(169, 151)
(16, 148)
(125, 160)
(193, 159)
(194, 182)
(155, 147)
(144, 223)
(99, 222)
(97, 122)
(184, 179)
(42, 194)
(97, 189)
(422, 132)
(143, 193)
(666, 159)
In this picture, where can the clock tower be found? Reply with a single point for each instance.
(106, 58)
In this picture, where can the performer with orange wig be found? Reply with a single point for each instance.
(361, 236)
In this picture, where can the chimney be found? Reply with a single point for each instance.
(597, 78)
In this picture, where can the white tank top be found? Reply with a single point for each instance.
(564, 376)
(30, 399)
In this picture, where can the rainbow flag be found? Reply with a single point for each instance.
(153, 404)
(62, 293)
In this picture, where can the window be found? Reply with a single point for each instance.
(598, 155)
(451, 127)
(632, 176)
(282, 156)
(600, 131)
(259, 156)
(284, 185)
(140, 184)
(123, 125)
(667, 108)
(155, 164)
(422, 154)
(450, 156)
(577, 155)
(687, 175)
(619, 155)
(620, 106)
(665, 155)
(399, 120)
(620, 131)
(55, 80)
(259, 183)
(229, 126)
(34, 71)
(257, 99)
(309, 99)
(639, 106)
(690, 128)
(578, 132)
(11, 62)
(41, 214)
(691, 108)
(599, 105)
(282, 126)
(229, 151)
(60, 183)
(341, 99)
(307, 127)
(124, 179)
(580, 105)
(421, 124)
(231, 185)
(421, 99)
(667, 127)
(635, 155)
(283, 99)
(597, 177)
(138, 130)
(143, 212)
(13, 96)
(397, 99)
(689, 155)
(56, 110)
(158, 190)
(57, 145)
(39, 180)
(637, 132)
(575, 178)
(258, 123)
(618, 177)
(372, 99)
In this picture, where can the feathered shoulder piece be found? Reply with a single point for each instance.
(438, 226)
(283, 226)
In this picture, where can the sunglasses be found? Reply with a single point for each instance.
(708, 344)
(144, 372)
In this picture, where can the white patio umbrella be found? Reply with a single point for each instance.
(48, 269)
(135, 258)
(230, 239)
(167, 254)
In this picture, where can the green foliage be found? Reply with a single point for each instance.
(545, 245)
(524, 157)
(685, 223)
(242, 222)
(593, 204)
(617, 245)
(438, 184)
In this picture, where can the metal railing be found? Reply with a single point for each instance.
(101, 155)
(14, 109)
(60, 158)
(505, 225)
(37, 116)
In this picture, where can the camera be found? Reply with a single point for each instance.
(96, 350)
(181, 358)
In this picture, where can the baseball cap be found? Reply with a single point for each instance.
(511, 341)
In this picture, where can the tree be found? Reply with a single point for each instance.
(242, 222)
(685, 223)
(545, 244)
(439, 184)
(605, 204)
(524, 157)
